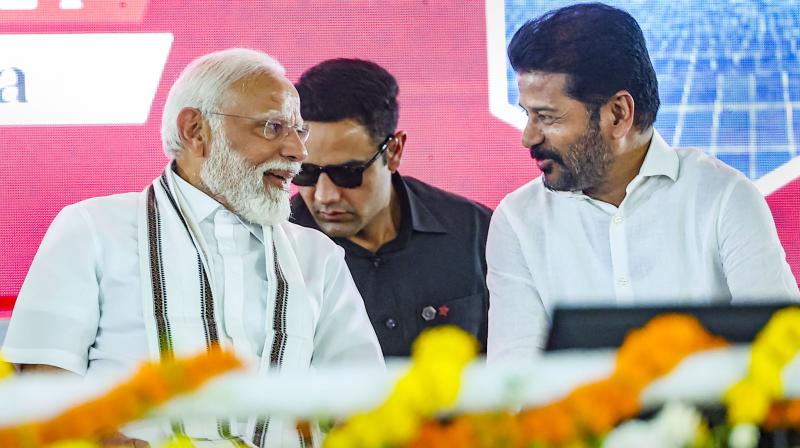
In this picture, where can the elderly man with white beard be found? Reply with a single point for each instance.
(203, 256)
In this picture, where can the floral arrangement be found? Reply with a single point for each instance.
(152, 385)
(754, 400)
(431, 385)
(591, 410)
(418, 411)
(749, 399)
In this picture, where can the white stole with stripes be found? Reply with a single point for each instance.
(182, 318)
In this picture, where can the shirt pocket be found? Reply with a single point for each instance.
(468, 312)
(290, 351)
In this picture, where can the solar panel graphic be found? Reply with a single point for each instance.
(728, 73)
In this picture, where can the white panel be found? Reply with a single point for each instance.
(58, 79)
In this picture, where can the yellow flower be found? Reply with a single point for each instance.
(431, 385)
(6, 369)
(777, 344)
(747, 403)
(401, 424)
(179, 442)
(444, 342)
(365, 432)
(765, 373)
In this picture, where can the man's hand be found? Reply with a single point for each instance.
(40, 368)
(119, 440)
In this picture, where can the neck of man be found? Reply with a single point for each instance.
(383, 228)
(188, 172)
(627, 164)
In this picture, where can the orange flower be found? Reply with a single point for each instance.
(595, 408)
(492, 430)
(592, 409)
(153, 384)
(783, 414)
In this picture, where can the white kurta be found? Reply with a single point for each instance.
(690, 230)
(80, 306)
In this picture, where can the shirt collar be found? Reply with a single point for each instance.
(661, 159)
(204, 206)
(422, 218)
(201, 204)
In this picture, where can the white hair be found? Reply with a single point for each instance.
(203, 84)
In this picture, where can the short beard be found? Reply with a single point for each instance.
(229, 176)
(585, 164)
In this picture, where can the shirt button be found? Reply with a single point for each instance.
(617, 219)
(376, 261)
(429, 313)
(391, 323)
(622, 281)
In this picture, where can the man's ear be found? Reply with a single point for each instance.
(194, 132)
(620, 110)
(395, 151)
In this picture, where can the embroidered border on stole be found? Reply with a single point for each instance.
(159, 294)
(279, 342)
(157, 276)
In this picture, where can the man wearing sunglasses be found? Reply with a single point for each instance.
(416, 252)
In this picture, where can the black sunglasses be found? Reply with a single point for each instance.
(347, 175)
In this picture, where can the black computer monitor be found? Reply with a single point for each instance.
(606, 327)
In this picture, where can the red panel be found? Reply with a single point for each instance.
(785, 206)
(6, 305)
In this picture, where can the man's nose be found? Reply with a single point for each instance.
(293, 147)
(532, 135)
(326, 191)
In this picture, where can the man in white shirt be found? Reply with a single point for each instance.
(617, 216)
(203, 256)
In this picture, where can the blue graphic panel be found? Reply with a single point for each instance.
(728, 73)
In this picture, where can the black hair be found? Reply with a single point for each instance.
(339, 89)
(600, 48)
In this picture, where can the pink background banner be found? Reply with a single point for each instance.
(94, 146)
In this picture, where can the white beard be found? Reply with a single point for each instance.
(241, 185)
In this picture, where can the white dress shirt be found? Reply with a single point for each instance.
(690, 230)
(80, 306)
(237, 258)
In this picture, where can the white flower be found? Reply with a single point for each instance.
(674, 427)
(630, 434)
(678, 423)
(744, 435)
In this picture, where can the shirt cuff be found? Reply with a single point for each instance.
(57, 358)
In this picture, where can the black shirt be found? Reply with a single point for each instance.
(432, 273)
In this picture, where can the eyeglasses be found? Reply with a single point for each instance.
(346, 175)
(274, 129)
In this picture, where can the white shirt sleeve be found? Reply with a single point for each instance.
(517, 316)
(56, 316)
(752, 257)
(344, 333)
